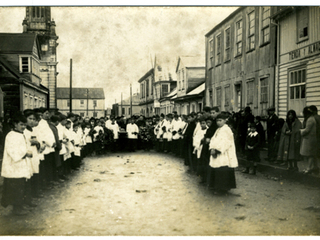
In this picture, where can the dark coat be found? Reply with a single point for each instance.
(289, 146)
(309, 143)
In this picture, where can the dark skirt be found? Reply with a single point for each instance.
(222, 178)
(13, 191)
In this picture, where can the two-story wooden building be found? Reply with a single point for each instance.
(146, 93)
(240, 61)
(190, 73)
(298, 70)
(20, 79)
(86, 102)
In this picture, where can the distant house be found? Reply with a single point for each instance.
(190, 72)
(123, 108)
(166, 103)
(87, 102)
(20, 79)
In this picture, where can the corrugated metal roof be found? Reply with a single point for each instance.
(80, 93)
(17, 42)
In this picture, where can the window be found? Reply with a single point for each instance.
(227, 44)
(218, 97)
(227, 95)
(182, 75)
(265, 25)
(251, 29)
(129, 111)
(218, 51)
(147, 88)
(94, 103)
(264, 90)
(297, 90)
(211, 53)
(52, 43)
(82, 114)
(123, 111)
(25, 101)
(210, 97)
(250, 91)
(238, 37)
(165, 89)
(68, 103)
(81, 103)
(95, 114)
(24, 64)
(303, 24)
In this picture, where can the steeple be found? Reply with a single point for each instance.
(38, 20)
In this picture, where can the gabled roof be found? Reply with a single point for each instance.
(146, 75)
(18, 42)
(80, 93)
(191, 61)
(10, 68)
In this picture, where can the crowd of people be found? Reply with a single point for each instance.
(42, 147)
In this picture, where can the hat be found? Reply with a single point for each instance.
(222, 116)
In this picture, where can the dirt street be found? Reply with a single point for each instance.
(148, 193)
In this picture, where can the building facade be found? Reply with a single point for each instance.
(38, 21)
(146, 93)
(123, 108)
(20, 59)
(240, 61)
(298, 72)
(167, 104)
(86, 102)
(190, 73)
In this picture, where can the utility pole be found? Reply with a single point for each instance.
(70, 105)
(87, 102)
(121, 106)
(130, 100)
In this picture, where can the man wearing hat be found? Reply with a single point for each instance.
(271, 131)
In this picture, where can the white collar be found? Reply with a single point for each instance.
(253, 134)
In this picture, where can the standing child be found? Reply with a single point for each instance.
(223, 159)
(15, 169)
(132, 130)
(252, 148)
(198, 141)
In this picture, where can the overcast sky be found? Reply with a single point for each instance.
(112, 47)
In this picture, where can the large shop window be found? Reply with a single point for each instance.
(297, 90)
(238, 37)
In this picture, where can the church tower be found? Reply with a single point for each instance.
(38, 20)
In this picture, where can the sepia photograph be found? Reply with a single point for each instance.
(159, 120)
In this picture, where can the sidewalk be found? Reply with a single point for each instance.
(278, 172)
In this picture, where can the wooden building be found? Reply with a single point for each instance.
(86, 102)
(190, 73)
(123, 108)
(166, 103)
(146, 93)
(240, 61)
(20, 59)
(298, 71)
